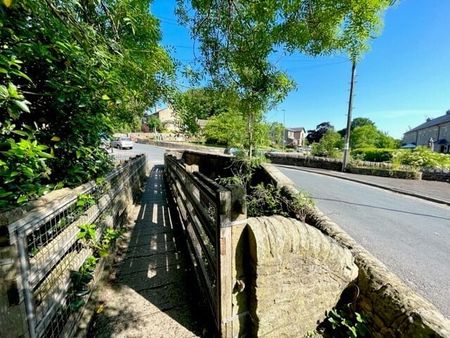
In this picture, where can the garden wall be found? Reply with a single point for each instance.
(436, 175)
(361, 167)
(180, 145)
(393, 308)
(40, 248)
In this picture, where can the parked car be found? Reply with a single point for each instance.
(122, 143)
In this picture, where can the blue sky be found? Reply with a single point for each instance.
(401, 81)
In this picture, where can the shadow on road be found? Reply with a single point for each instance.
(381, 208)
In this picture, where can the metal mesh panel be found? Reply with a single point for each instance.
(49, 250)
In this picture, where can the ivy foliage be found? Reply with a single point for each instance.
(70, 73)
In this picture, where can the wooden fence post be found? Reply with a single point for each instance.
(225, 264)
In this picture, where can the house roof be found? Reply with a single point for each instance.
(432, 122)
(296, 129)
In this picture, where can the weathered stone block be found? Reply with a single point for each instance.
(299, 275)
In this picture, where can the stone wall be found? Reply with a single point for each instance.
(374, 171)
(297, 275)
(181, 146)
(305, 161)
(393, 308)
(361, 167)
(442, 175)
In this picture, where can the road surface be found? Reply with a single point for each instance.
(154, 154)
(411, 236)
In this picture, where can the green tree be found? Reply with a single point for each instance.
(73, 71)
(228, 128)
(202, 103)
(368, 136)
(154, 123)
(329, 145)
(357, 122)
(387, 141)
(238, 37)
(276, 133)
(364, 137)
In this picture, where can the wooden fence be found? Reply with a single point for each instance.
(213, 218)
(49, 249)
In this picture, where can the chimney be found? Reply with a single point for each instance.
(428, 119)
(447, 112)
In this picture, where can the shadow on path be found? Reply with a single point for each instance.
(154, 294)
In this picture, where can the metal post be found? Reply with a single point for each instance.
(28, 297)
(349, 118)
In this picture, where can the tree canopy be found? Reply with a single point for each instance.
(238, 37)
(202, 103)
(70, 72)
(317, 134)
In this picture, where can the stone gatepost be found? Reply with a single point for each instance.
(295, 275)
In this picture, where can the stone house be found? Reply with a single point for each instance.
(168, 117)
(295, 136)
(434, 133)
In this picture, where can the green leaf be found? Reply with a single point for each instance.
(20, 132)
(55, 139)
(22, 105)
(22, 199)
(3, 92)
(4, 193)
(105, 97)
(12, 90)
(45, 155)
(28, 172)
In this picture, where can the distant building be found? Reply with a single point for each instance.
(434, 133)
(168, 118)
(295, 137)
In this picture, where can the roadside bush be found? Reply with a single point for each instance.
(267, 200)
(373, 154)
(421, 157)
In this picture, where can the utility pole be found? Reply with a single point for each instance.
(284, 130)
(349, 118)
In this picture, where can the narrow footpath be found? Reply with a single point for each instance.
(152, 293)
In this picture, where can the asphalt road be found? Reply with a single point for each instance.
(154, 154)
(411, 236)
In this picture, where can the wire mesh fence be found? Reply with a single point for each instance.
(50, 250)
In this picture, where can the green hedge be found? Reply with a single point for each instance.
(373, 154)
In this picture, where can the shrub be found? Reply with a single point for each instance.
(373, 154)
(267, 200)
(421, 157)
